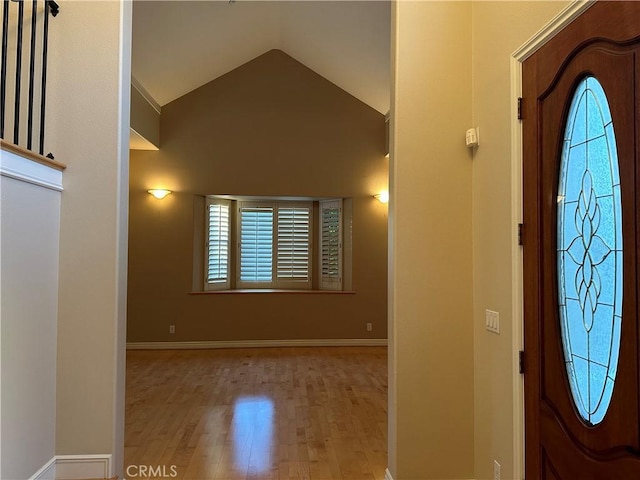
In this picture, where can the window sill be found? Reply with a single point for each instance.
(272, 291)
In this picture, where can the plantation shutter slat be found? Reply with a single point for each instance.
(331, 245)
(217, 245)
(256, 244)
(293, 243)
(273, 244)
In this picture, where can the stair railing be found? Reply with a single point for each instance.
(18, 89)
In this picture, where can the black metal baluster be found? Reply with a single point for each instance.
(50, 8)
(43, 97)
(32, 63)
(3, 77)
(16, 125)
(53, 6)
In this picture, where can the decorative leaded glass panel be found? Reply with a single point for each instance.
(590, 251)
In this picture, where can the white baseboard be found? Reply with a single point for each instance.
(75, 467)
(387, 475)
(332, 342)
(47, 472)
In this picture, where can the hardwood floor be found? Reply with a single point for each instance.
(257, 414)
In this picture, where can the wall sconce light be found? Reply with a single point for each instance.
(159, 193)
(382, 197)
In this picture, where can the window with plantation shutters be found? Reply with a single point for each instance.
(256, 244)
(217, 245)
(268, 243)
(331, 245)
(293, 244)
(274, 244)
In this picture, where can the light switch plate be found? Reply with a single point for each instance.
(492, 321)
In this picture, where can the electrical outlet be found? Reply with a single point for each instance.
(369, 326)
(172, 329)
(492, 321)
(496, 470)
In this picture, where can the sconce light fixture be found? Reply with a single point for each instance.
(382, 197)
(159, 193)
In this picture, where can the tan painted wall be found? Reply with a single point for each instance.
(499, 28)
(88, 125)
(270, 127)
(431, 355)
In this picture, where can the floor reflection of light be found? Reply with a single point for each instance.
(252, 430)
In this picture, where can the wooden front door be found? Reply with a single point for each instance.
(581, 174)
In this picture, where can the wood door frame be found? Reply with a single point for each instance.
(539, 39)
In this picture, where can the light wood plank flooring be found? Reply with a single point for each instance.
(254, 414)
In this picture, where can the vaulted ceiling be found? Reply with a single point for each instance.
(180, 45)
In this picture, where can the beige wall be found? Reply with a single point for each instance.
(431, 368)
(499, 28)
(270, 127)
(88, 125)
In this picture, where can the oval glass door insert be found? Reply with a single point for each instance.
(590, 251)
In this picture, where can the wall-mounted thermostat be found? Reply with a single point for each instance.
(472, 137)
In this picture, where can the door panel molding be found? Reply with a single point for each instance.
(553, 370)
(560, 444)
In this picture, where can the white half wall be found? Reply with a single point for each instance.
(29, 239)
